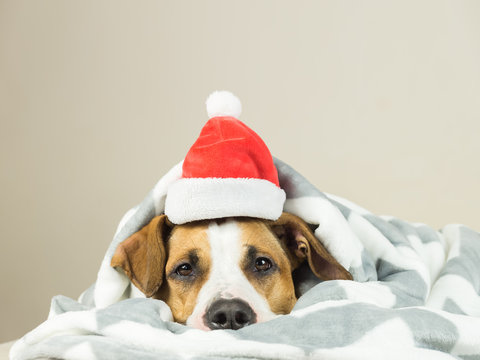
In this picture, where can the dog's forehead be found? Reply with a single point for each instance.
(187, 237)
(197, 228)
(258, 233)
(248, 231)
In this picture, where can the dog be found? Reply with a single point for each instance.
(224, 273)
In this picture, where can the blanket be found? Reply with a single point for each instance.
(415, 295)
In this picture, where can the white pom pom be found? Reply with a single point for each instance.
(223, 103)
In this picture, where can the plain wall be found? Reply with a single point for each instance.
(375, 101)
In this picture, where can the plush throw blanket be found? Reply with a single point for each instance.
(415, 296)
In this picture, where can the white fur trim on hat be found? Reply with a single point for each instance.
(223, 103)
(192, 199)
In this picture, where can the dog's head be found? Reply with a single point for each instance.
(225, 273)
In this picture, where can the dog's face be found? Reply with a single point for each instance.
(225, 273)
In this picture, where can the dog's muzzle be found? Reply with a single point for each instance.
(229, 314)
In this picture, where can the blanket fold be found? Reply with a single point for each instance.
(415, 294)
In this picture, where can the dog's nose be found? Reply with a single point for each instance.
(229, 314)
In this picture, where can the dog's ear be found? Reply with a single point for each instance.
(142, 256)
(302, 244)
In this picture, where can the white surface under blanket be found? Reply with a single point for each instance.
(5, 349)
(415, 295)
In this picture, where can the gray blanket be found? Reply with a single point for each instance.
(415, 295)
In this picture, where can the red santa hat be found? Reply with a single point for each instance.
(228, 171)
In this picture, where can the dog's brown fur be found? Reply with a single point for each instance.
(181, 296)
(150, 256)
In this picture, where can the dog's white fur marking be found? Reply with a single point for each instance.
(226, 279)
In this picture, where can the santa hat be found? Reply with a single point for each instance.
(228, 171)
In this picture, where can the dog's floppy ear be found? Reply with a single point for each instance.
(142, 256)
(302, 244)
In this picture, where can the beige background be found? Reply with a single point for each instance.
(375, 101)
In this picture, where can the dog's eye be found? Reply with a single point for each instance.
(184, 269)
(262, 264)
